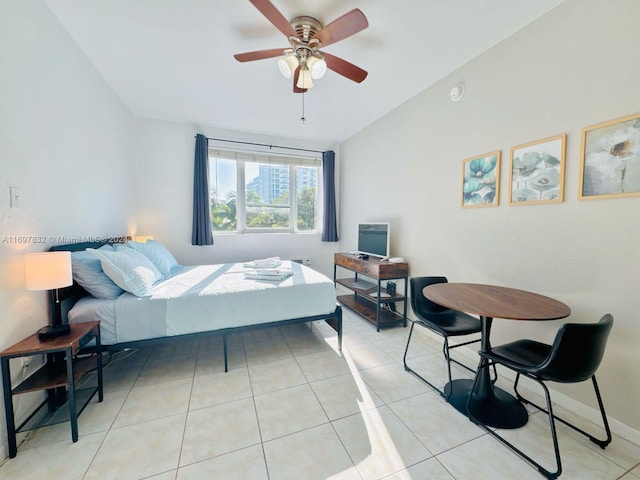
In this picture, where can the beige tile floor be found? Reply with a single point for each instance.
(292, 407)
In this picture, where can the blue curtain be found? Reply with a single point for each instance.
(329, 226)
(201, 233)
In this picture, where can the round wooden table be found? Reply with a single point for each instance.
(489, 404)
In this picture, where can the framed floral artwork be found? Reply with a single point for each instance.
(610, 159)
(536, 172)
(480, 180)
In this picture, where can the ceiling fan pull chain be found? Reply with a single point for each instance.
(303, 118)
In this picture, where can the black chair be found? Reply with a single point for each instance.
(443, 321)
(574, 357)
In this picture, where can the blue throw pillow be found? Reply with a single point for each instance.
(157, 253)
(88, 273)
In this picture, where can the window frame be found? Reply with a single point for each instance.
(293, 163)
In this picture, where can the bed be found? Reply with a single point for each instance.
(201, 300)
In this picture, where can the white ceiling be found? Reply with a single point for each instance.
(173, 59)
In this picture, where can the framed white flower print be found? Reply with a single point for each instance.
(611, 159)
(537, 171)
(481, 180)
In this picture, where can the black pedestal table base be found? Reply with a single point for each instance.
(495, 408)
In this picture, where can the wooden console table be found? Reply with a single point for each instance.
(373, 302)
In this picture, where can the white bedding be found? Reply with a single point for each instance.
(205, 298)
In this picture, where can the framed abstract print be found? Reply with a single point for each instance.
(536, 171)
(610, 159)
(481, 180)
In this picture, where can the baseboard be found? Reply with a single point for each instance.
(4, 450)
(593, 415)
(27, 403)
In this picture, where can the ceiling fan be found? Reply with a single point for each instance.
(303, 59)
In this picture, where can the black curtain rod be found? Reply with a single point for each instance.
(263, 145)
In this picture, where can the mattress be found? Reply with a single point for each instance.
(207, 298)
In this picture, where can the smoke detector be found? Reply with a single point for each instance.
(457, 92)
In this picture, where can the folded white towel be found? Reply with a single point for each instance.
(264, 263)
(273, 271)
(271, 276)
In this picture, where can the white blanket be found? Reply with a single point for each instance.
(209, 297)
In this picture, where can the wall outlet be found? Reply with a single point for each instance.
(306, 261)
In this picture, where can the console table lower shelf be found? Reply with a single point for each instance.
(367, 309)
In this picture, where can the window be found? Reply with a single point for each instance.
(255, 192)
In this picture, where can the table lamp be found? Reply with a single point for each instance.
(49, 271)
(142, 238)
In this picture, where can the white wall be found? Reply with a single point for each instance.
(65, 142)
(164, 154)
(574, 67)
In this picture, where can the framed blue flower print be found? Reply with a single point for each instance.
(536, 172)
(611, 159)
(481, 180)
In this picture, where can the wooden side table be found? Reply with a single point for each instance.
(62, 370)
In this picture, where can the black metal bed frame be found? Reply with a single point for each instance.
(67, 297)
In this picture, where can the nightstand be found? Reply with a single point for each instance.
(58, 375)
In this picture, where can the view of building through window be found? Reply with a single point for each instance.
(251, 196)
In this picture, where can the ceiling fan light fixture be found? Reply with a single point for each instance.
(317, 66)
(304, 79)
(288, 65)
(303, 59)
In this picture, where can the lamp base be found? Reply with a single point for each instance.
(53, 331)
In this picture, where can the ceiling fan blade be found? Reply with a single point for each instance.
(296, 89)
(345, 26)
(344, 68)
(258, 54)
(274, 16)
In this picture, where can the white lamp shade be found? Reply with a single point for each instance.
(288, 65)
(317, 66)
(304, 79)
(47, 270)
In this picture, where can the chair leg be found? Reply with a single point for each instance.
(446, 353)
(515, 449)
(409, 369)
(406, 349)
(601, 443)
(449, 358)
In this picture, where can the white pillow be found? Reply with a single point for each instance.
(156, 252)
(88, 273)
(130, 270)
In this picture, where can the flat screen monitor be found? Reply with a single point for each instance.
(373, 239)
